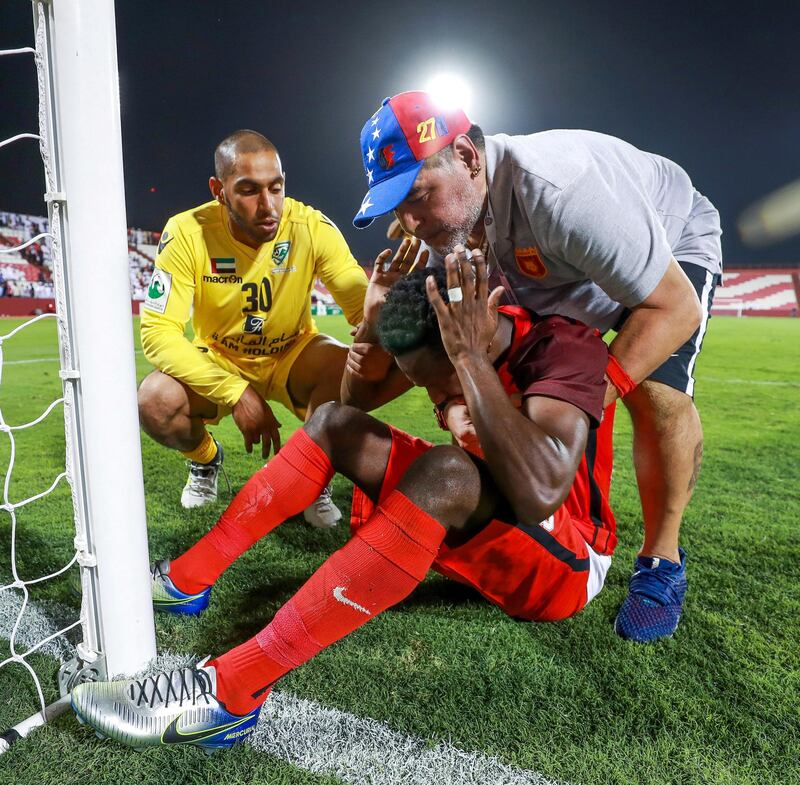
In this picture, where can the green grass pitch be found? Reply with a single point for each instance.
(718, 703)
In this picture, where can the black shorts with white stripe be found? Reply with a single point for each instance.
(678, 370)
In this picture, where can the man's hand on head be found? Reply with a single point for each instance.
(369, 362)
(460, 424)
(388, 270)
(254, 418)
(468, 322)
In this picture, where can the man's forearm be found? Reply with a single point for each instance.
(176, 356)
(370, 394)
(348, 285)
(657, 327)
(649, 337)
(527, 464)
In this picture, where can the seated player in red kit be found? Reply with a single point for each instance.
(522, 515)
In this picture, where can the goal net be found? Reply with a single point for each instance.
(80, 142)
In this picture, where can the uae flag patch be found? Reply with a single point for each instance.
(219, 265)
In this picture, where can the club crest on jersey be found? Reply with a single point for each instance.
(281, 251)
(222, 265)
(254, 325)
(386, 156)
(529, 262)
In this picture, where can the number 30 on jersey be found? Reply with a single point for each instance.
(258, 297)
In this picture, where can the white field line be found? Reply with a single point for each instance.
(362, 751)
(310, 736)
(764, 382)
(31, 361)
(43, 360)
(711, 379)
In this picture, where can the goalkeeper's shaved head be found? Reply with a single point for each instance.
(239, 143)
(407, 320)
(249, 184)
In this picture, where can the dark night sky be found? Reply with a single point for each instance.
(714, 86)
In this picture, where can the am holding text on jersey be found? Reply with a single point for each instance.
(258, 345)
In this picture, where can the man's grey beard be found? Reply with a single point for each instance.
(458, 234)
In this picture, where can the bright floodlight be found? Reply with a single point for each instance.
(450, 91)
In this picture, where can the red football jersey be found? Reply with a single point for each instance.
(564, 359)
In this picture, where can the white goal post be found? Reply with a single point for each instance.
(81, 146)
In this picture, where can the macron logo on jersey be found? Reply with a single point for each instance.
(220, 265)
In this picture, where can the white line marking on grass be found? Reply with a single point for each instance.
(766, 382)
(43, 360)
(362, 751)
(32, 360)
(36, 626)
(322, 740)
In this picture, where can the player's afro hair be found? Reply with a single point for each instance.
(407, 320)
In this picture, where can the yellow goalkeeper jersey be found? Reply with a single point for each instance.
(247, 304)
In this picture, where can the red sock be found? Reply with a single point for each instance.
(380, 566)
(291, 481)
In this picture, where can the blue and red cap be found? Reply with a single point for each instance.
(395, 142)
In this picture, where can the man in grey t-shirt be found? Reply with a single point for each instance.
(587, 226)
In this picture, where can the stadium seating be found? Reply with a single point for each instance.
(751, 292)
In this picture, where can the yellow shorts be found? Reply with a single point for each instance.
(272, 382)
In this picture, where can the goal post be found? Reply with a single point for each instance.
(83, 108)
(81, 146)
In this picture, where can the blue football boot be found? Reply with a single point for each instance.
(654, 603)
(168, 598)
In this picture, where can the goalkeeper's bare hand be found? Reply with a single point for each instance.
(255, 420)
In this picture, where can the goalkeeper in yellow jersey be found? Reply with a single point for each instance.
(243, 267)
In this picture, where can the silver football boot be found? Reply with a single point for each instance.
(201, 485)
(323, 513)
(174, 707)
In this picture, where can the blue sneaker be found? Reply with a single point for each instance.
(175, 707)
(654, 603)
(168, 598)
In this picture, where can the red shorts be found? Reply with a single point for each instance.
(544, 572)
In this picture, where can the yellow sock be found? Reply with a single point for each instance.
(205, 452)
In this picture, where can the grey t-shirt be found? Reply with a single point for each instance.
(584, 224)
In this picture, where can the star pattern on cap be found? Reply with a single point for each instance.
(376, 133)
(375, 120)
(369, 176)
(365, 205)
(370, 155)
